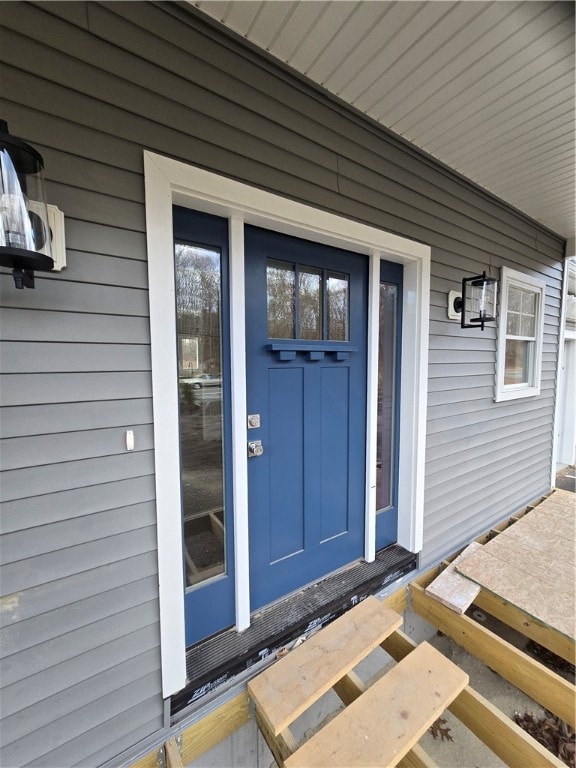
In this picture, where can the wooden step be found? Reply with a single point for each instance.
(380, 726)
(285, 690)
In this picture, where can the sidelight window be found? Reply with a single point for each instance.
(199, 328)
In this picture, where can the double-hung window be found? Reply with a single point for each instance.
(520, 328)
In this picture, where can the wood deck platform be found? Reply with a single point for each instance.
(382, 723)
(487, 722)
(385, 722)
(531, 564)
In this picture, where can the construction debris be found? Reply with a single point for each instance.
(451, 588)
(550, 659)
(552, 733)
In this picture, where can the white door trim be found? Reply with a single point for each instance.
(169, 182)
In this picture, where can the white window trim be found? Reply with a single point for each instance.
(169, 182)
(510, 277)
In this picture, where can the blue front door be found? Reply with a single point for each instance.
(306, 321)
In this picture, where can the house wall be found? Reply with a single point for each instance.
(90, 86)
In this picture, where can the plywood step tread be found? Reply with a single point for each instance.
(291, 685)
(381, 726)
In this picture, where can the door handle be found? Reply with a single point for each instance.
(255, 448)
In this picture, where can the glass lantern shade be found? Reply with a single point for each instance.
(24, 231)
(479, 301)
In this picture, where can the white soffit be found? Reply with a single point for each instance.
(485, 87)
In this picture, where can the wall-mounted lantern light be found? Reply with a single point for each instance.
(24, 233)
(477, 303)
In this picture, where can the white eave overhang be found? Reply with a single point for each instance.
(485, 87)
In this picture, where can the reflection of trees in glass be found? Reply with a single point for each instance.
(310, 304)
(198, 304)
(198, 301)
(322, 302)
(386, 392)
(337, 297)
(280, 293)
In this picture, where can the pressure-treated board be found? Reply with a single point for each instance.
(500, 733)
(532, 628)
(214, 727)
(282, 692)
(173, 756)
(381, 726)
(549, 689)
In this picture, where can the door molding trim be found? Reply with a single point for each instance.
(170, 182)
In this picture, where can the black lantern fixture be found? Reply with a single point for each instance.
(24, 233)
(477, 305)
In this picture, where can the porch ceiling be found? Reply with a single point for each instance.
(485, 87)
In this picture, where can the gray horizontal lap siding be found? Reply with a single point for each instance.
(92, 85)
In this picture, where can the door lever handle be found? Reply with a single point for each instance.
(255, 448)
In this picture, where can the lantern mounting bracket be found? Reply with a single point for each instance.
(23, 278)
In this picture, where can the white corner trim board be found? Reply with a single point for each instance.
(169, 182)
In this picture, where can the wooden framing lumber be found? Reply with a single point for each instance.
(507, 740)
(173, 757)
(204, 734)
(349, 688)
(417, 758)
(286, 689)
(281, 745)
(148, 761)
(518, 619)
(215, 727)
(500, 734)
(541, 684)
(397, 601)
(382, 725)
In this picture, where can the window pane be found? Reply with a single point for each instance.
(521, 318)
(337, 298)
(280, 281)
(309, 303)
(527, 325)
(198, 291)
(386, 395)
(513, 324)
(517, 363)
(514, 298)
(528, 302)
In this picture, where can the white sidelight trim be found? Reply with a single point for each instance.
(413, 403)
(239, 412)
(160, 238)
(372, 405)
(169, 182)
